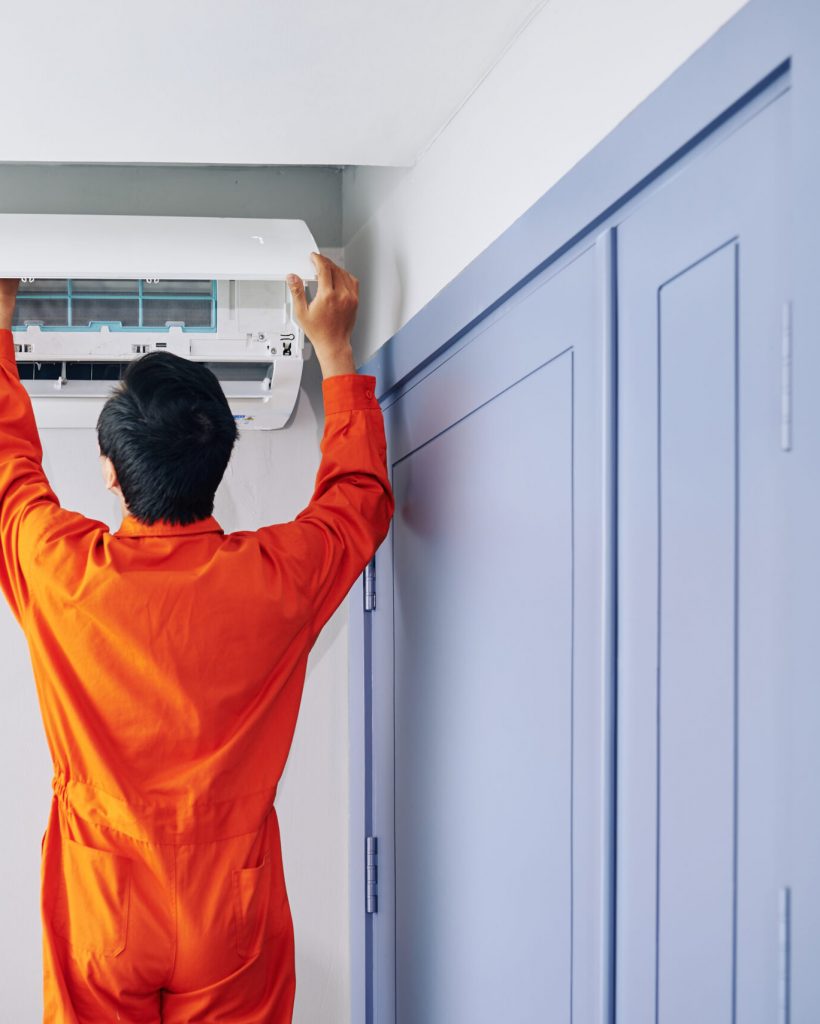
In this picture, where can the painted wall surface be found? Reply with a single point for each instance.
(576, 71)
(270, 479)
(200, 81)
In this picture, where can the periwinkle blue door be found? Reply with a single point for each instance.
(703, 668)
(491, 640)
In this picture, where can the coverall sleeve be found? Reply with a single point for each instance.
(330, 541)
(27, 502)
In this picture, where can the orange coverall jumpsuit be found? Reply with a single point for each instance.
(169, 663)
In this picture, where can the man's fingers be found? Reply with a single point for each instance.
(345, 278)
(297, 290)
(324, 271)
(332, 276)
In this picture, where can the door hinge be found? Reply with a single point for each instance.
(371, 876)
(786, 344)
(370, 585)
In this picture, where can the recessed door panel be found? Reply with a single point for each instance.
(702, 664)
(483, 688)
(488, 785)
(696, 677)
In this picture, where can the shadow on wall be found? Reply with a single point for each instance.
(381, 311)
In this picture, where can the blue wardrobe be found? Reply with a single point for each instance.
(589, 698)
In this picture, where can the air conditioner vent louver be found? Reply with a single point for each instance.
(113, 371)
(94, 371)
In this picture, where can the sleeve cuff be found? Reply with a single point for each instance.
(345, 391)
(7, 346)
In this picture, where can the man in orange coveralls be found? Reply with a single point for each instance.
(169, 659)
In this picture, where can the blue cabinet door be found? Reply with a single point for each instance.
(487, 671)
(703, 680)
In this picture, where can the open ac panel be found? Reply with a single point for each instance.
(217, 295)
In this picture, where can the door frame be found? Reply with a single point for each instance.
(767, 44)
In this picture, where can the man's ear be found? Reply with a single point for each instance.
(110, 475)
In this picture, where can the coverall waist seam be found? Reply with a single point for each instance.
(192, 823)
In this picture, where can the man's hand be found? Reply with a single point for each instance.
(328, 320)
(8, 297)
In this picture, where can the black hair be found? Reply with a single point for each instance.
(169, 431)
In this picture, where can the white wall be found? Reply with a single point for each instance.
(577, 70)
(270, 479)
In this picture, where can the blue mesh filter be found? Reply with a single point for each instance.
(48, 312)
(44, 285)
(90, 285)
(126, 311)
(194, 312)
(177, 287)
(83, 304)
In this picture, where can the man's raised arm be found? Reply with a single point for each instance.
(330, 541)
(25, 494)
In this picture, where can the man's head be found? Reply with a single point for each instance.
(166, 435)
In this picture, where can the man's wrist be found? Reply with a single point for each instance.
(337, 363)
(6, 316)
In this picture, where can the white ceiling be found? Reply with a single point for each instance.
(243, 81)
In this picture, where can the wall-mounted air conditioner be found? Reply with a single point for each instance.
(97, 291)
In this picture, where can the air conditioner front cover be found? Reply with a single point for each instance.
(68, 245)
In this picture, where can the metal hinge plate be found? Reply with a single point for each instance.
(371, 876)
(370, 585)
(784, 943)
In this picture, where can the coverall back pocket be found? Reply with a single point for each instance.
(251, 902)
(91, 904)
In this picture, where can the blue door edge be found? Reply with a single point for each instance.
(607, 249)
(359, 769)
